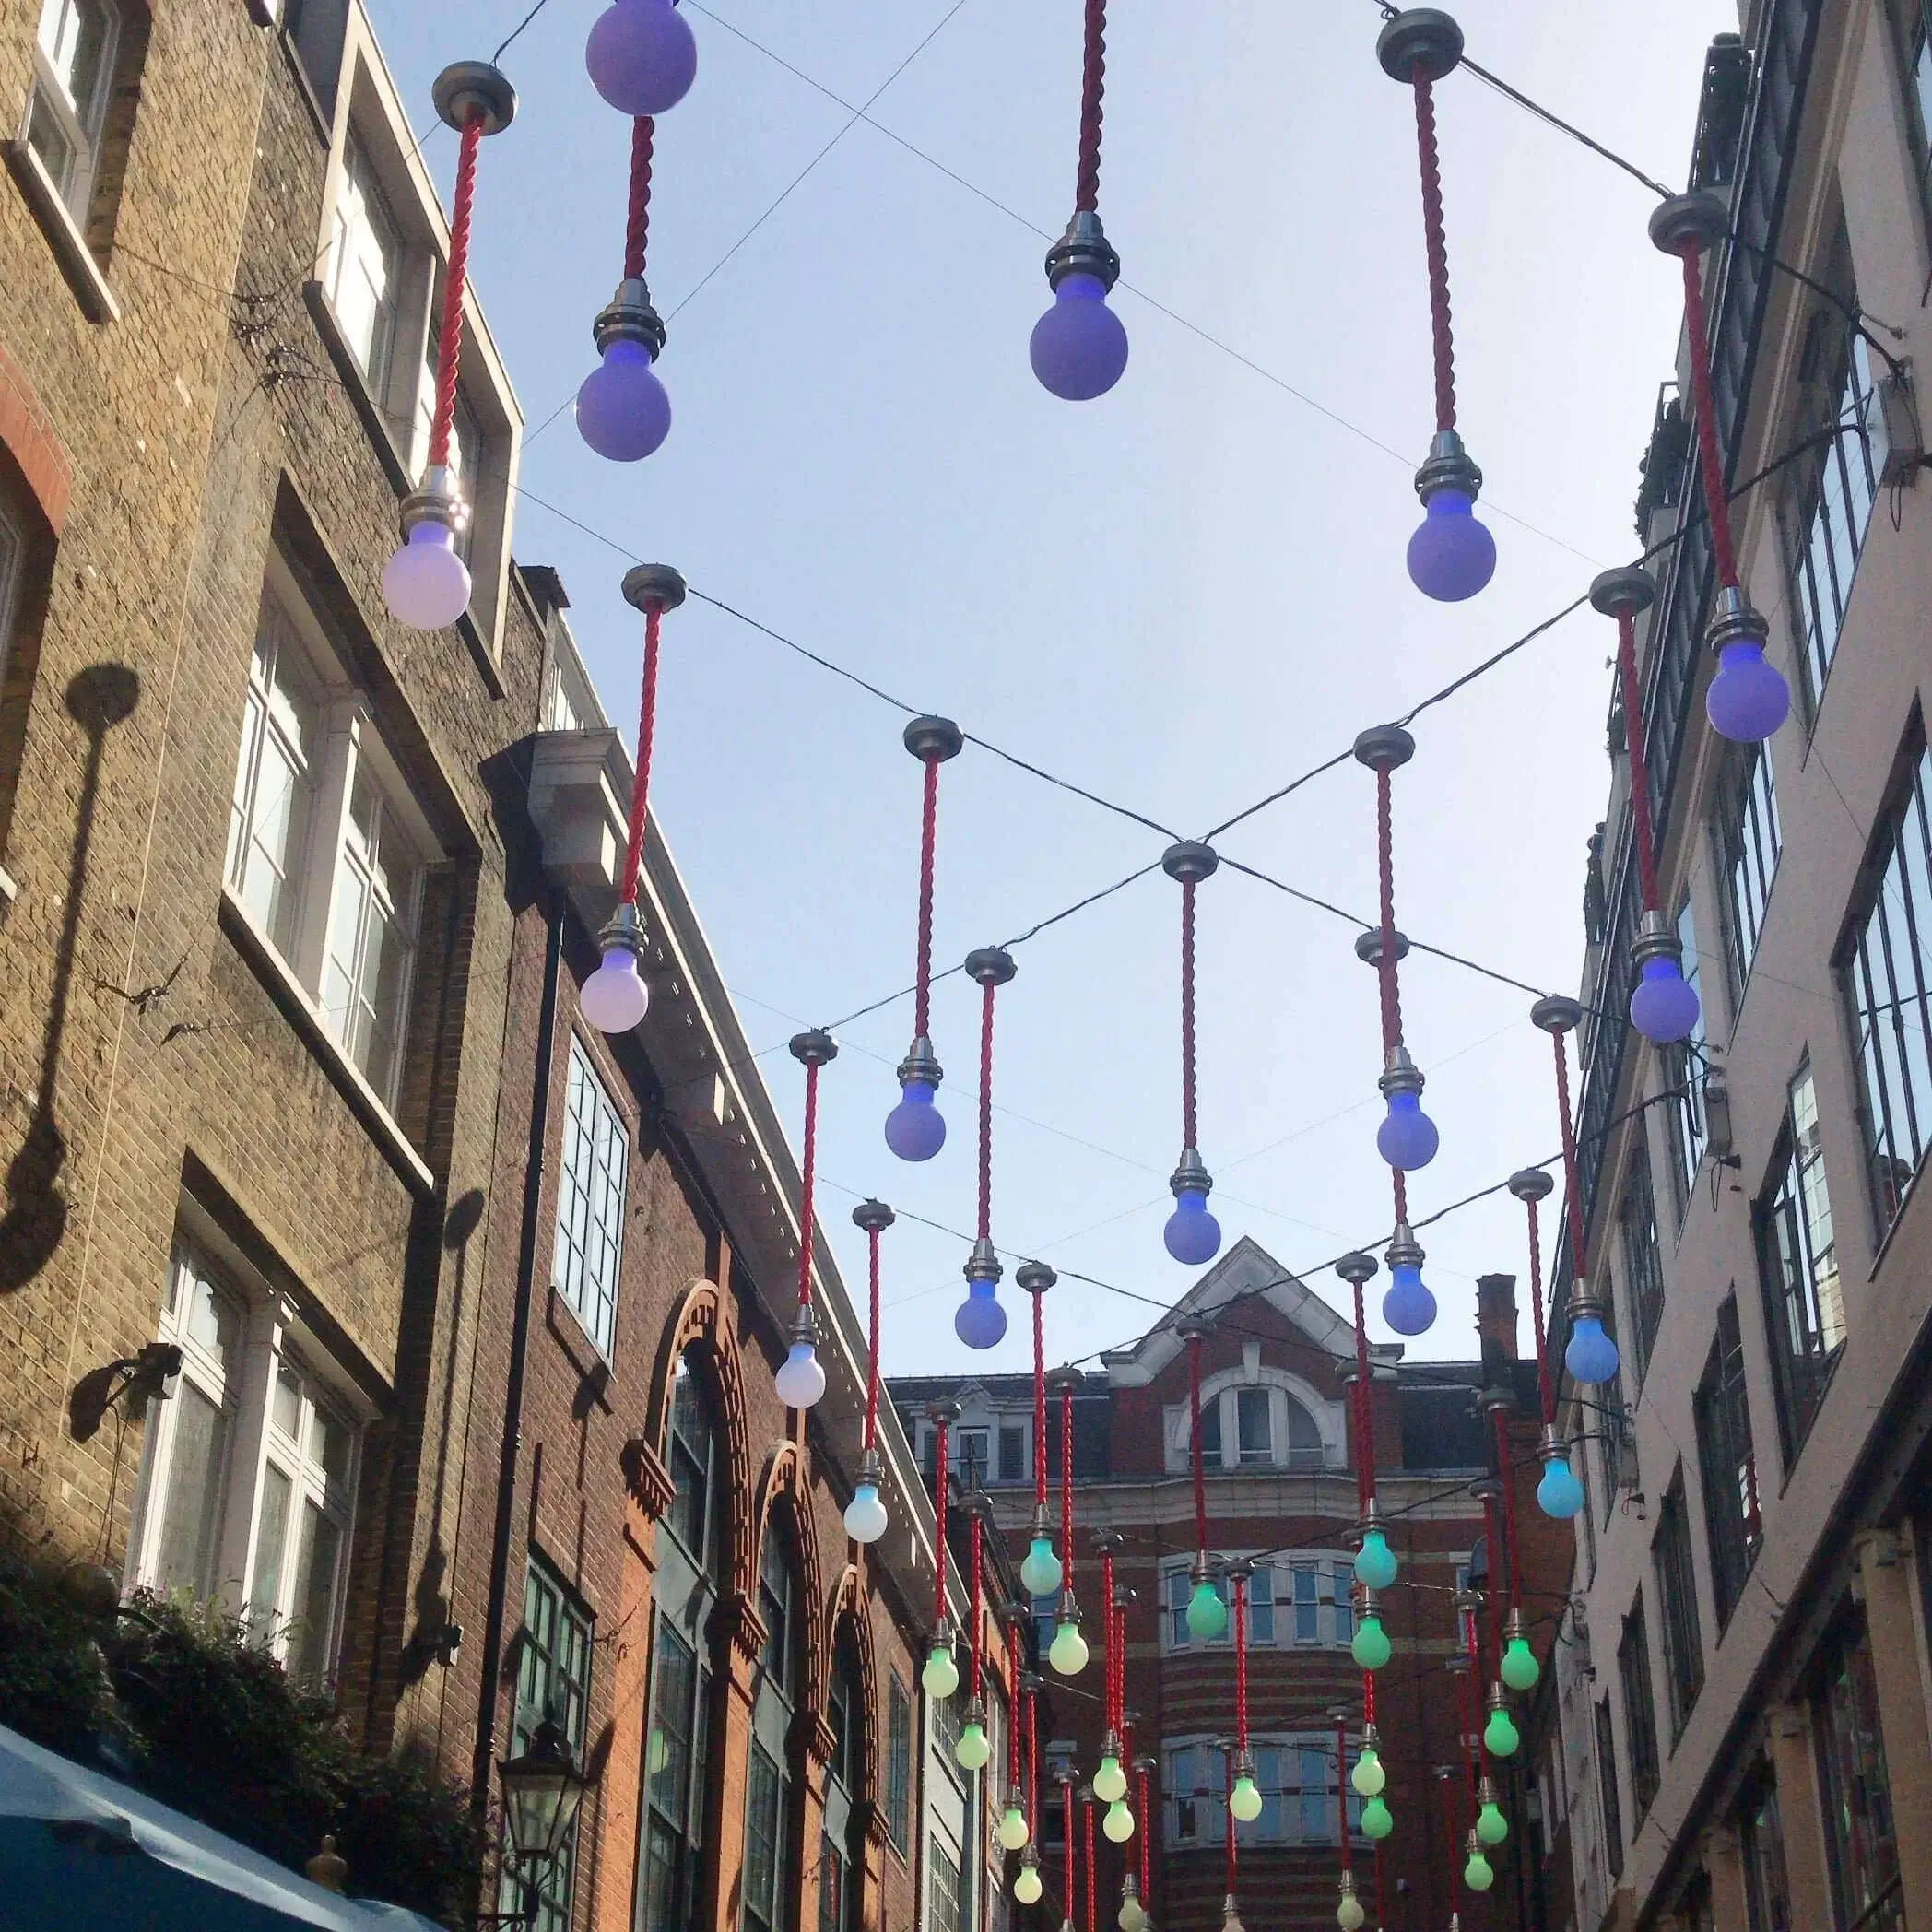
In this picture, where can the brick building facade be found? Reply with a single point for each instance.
(293, 908)
(1279, 1451)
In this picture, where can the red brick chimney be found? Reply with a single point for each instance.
(1496, 1313)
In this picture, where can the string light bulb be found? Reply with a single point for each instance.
(980, 1321)
(1408, 1306)
(1078, 348)
(1349, 1913)
(623, 412)
(1559, 1494)
(1230, 1915)
(801, 1381)
(1207, 1609)
(1068, 1653)
(641, 56)
(1478, 1875)
(1375, 1564)
(865, 1518)
(1747, 700)
(940, 1677)
(1131, 1915)
(1500, 1736)
(1118, 1823)
(1040, 1569)
(1591, 1354)
(1492, 1827)
(614, 998)
(1519, 1669)
(1027, 1886)
(1014, 1830)
(973, 1749)
(1370, 1647)
(1110, 1781)
(1376, 1819)
(1244, 1800)
(1191, 1235)
(1368, 1777)
(1408, 1137)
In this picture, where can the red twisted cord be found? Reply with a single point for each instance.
(1013, 1750)
(1704, 402)
(928, 840)
(1140, 1785)
(1232, 1860)
(637, 232)
(979, 1575)
(808, 1169)
(1187, 1081)
(1436, 245)
(1364, 1407)
(1385, 874)
(1033, 1724)
(1200, 1474)
(1492, 1529)
(1639, 762)
(1572, 1198)
(941, 1466)
(1094, 84)
(1087, 1813)
(1367, 1697)
(1066, 1488)
(1472, 1637)
(1456, 1871)
(1509, 1509)
(872, 1235)
(1107, 1630)
(986, 1226)
(1544, 1385)
(1039, 1401)
(1382, 1917)
(1399, 1184)
(1241, 1662)
(641, 780)
(450, 357)
(1341, 1790)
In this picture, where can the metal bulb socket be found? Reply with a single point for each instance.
(921, 1064)
(1448, 467)
(630, 317)
(1083, 250)
(1190, 1174)
(1736, 621)
(1401, 1075)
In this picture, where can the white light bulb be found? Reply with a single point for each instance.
(1110, 1781)
(1013, 1832)
(1118, 1824)
(425, 583)
(941, 1674)
(865, 1514)
(1067, 1653)
(615, 997)
(801, 1382)
(1028, 1887)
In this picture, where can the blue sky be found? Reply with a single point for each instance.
(1179, 596)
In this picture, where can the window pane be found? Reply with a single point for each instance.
(365, 260)
(1261, 1605)
(1257, 1444)
(191, 1508)
(1344, 1588)
(667, 1763)
(265, 1589)
(1307, 1609)
(761, 1828)
(590, 1209)
(75, 36)
(1857, 1791)
(899, 1763)
(313, 1608)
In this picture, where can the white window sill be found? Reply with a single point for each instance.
(96, 301)
(293, 998)
(10, 891)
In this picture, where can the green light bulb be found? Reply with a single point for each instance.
(1370, 1648)
(1245, 1800)
(972, 1750)
(1492, 1827)
(941, 1674)
(1375, 1820)
(1368, 1777)
(1478, 1875)
(1041, 1569)
(1207, 1614)
(1348, 1915)
(1027, 1887)
(1500, 1735)
(1068, 1653)
(1110, 1781)
(1118, 1824)
(1375, 1562)
(1013, 1832)
(1520, 1669)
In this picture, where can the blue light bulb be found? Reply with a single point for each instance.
(980, 1321)
(1407, 1138)
(1409, 1308)
(1591, 1355)
(1663, 1006)
(1748, 698)
(1451, 555)
(622, 410)
(1192, 1235)
(1559, 1494)
(916, 1129)
(1079, 346)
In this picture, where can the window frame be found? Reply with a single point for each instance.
(1283, 1762)
(899, 1764)
(1683, 1067)
(1727, 1462)
(1640, 1707)
(1674, 1570)
(80, 127)
(596, 1198)
(1608, 1791)
(1792, 1259)
(1274, 1620)
(1750, 843)
(1895, 886)
(1642, 1257)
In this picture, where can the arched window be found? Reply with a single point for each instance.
(767, 1793)
(842, 1855)
(677, 1747)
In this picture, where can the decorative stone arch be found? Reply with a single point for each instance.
(785, 1475)
(1329, 1417)
(703, 1316)
(849, 1599)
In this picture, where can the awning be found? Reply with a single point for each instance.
(80, 1851)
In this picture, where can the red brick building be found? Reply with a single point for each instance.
(1280, 1489)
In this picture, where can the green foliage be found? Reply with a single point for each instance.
(178, 1700)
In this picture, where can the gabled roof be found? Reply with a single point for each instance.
(1247, 1272)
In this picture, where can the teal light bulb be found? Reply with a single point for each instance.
(1370, 1648)
(1500, 1735)
(1375, 1820)
(1520, 1669)
(1040, 1570)
(1375, 1562)
(1207, 1614)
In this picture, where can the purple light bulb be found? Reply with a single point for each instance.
(980, 1321)
(1192, 1234)
(1451, 555)
(1079, 346)
(1663, 1006)
(1748, 699)
(916, 1129)
(1407, 1138)
(622, 410)
(641, 56)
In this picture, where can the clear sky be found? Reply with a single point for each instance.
(1180, 596)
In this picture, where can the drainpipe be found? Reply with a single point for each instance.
(534, 1172)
